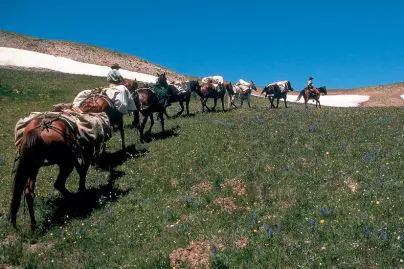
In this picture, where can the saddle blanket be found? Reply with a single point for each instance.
(120, 96)
(213, 79)
(90, 127)
(284, 86)
(242, 89)
(243, 83)
(179, 87)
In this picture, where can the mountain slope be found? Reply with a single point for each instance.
(84, 53)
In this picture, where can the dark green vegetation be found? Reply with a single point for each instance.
(311, 188)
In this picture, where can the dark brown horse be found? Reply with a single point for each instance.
(99, 102)
(209, 90)
(181, 96)
(154, 98)
(49, 140)
(243, 93)
(315, 95)
(274, 91)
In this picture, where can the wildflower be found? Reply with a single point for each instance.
(322, 221)
(214, 251)
(312, 128)
(311, 222)
(378, 202)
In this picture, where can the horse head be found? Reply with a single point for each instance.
(266, 90)
(194, 85)
(253, 87)
(162, 80)
(131, 85)
(323, 90)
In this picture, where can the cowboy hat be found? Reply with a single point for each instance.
(310, 78)
(115, 65)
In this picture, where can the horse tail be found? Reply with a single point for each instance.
(300, 96)
(28, 151)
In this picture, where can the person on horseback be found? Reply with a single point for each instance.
(114, 77)
(310, 84)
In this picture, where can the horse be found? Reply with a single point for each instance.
(244, 92)
(99, 102)
(314, 95)
(181, 96)
(230, 92)
(210, 90)
(46, 140)
(274, 91)
(147, 101)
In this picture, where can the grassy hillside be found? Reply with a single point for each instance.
(250, 188)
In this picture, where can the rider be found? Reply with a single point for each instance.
(114, 77)
(310, 84)
(124, 102)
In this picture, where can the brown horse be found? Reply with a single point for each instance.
(209, 90)
(181, 96)
(315, 95)
(45, 141)
(244, 94)
(154, 98)
(274, 91)
(230, 92)
(99, 102)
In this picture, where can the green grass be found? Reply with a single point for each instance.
(298, 167)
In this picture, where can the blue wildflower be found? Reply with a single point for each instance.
(312, 128)
(214, 251)
(367, 231)
(311, 222)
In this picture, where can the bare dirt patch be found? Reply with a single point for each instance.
(8, 240)
(203, 187)
(196, 255)
(351, 184)
(225, 203)
(242, 243)
(237, 185)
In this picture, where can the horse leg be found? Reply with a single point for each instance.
(162, 120)
(187, 104)
(222, 98)
(152, 121)
(277, 102)
(30, 196)
(241, 101)
(121, 131)
(182, 108)
(82, 170)
(214, 104)
(318, 101)
(284, 99)
(64, 171)
(165, 113)
(203, 105)
(248, 101)
(136, 119)
(141, 128)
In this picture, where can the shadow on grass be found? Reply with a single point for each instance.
(81, 205)
(148, 137)
(108, 161)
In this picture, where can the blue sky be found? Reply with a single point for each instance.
(341, 43)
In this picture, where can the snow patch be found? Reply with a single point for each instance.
(342, 100)
(26, 58)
